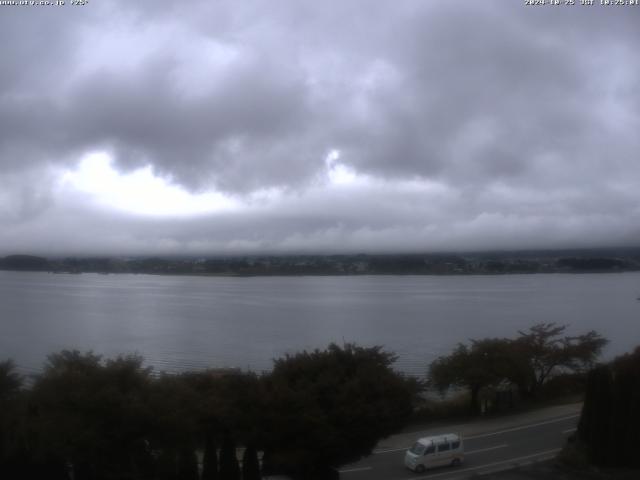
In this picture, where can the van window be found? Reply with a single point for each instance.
(455, 444)
(431, 449)
(443, 447)
(418, 449)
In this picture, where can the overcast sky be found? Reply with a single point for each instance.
(306, 126)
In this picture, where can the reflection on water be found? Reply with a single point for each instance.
(182, 323)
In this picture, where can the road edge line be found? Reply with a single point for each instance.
(513, 461)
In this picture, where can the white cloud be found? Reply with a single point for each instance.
(139, 191)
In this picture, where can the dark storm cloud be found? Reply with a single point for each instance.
(488, 93)
(231, 135)
(525, 118)
(459, 89)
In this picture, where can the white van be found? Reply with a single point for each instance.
(435, 451)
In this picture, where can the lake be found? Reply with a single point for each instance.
(180, 322)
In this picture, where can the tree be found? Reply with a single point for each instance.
(330, 407)
(229, 468)
(626, 414)
(210, 459)
(250, 464)
(484, 363)
(224, 400)
(528, 361)
(11, 455)
(594, 427)
(546, 351)
(609, 425)
(626, 398)
(10, 380)
(92, 414)
(173, 408)
(187, 463)
(167, 465)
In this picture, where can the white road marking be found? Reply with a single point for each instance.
(360, 469)
(523, 427)
(378, 452)
(511, 460)
(514, 429)
(486, 449)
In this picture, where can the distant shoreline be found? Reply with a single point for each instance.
(255, 275)
(497, 263)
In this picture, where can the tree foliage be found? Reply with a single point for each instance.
(92, 418)
(187, 463)
(229, 467)
(609, 425)
(483, 363)
(527, 361)
(595, 422)
(10, 380)
(250, 464)
(91, 413)
(330, 407)
(210, 459)
(547, 350)
(11, 452)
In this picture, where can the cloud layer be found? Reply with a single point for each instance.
(323, 126)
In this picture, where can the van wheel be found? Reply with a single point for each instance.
(455, 462)
(420, 469)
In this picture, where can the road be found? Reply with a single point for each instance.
(489, 446)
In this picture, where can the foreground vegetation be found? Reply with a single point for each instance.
(606, 442)
(609, 429)
(89, 418)
(536, 364)
(491, 369)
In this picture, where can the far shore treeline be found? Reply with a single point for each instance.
(91, 418)
(563, 261)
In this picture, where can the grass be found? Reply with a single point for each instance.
(456, 407)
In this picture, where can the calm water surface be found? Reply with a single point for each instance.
(182, 323)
